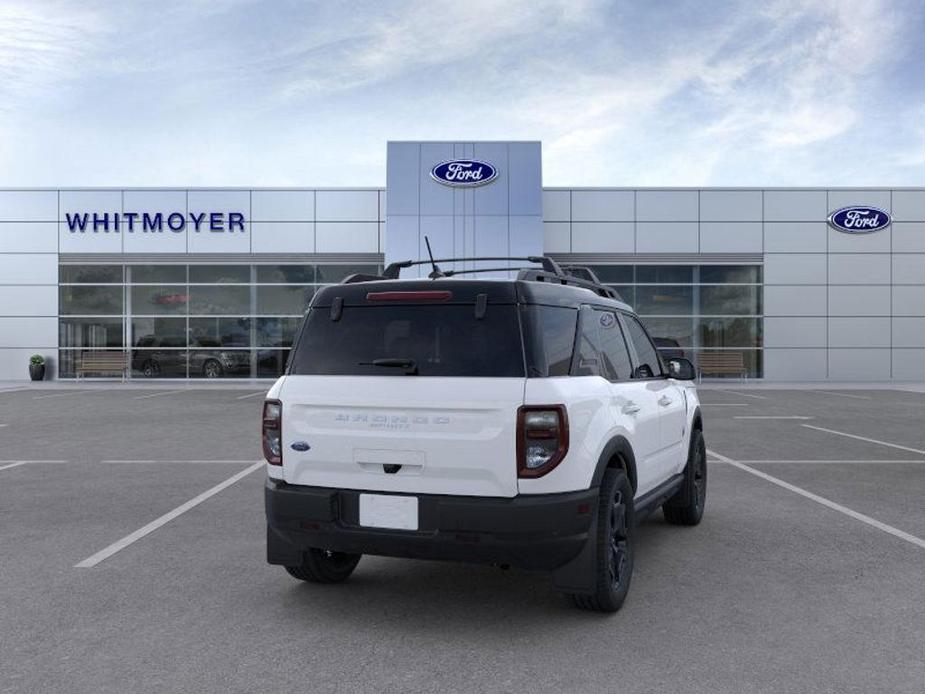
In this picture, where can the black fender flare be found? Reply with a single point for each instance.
(577, 576)
(618, 445)
(682, 497)
(697, 419)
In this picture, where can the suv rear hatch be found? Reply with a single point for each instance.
(406, 387)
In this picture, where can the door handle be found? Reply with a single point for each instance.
(631, 408)
(665, 401)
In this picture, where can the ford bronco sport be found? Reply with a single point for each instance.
(527, 422)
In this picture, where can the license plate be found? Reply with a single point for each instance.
(385, 511)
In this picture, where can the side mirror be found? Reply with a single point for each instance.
(681, 369)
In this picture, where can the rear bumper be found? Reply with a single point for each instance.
(531, 532)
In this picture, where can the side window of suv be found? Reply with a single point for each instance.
(588, 348)
(549, 337)
(649, 364)
(614, 353)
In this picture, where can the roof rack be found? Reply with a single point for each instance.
(550, 272)
(582, 272)
(570, 280)
(393, 271)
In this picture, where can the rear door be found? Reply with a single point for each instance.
(633, 402)
(406, 397)
(669, 397)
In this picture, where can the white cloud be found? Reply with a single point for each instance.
(360, 50)
(792, 76)
(41, 44)
(229, 93)
(814, 58)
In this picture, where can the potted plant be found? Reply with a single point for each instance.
(37, 367)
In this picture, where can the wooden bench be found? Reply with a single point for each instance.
(722, 363)
(102, 363)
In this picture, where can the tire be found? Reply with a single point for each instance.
(212, 369)
(686, 507)
(615, 542)
(150, 369)
(323, 566)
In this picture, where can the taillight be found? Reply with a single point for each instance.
(542, 438)
(272, 434)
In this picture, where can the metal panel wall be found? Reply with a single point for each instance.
(28, 279)
(503, 217)
(837, 306)
(279, 225)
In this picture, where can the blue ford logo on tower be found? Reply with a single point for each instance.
(859, 219)
(464, 173)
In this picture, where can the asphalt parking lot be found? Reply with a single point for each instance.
(132, 545)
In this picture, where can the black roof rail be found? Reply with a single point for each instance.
(582, 272)
(550, 272)
(393, 271)
(570, 280)
(361, 277)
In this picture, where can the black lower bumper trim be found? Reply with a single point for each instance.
(532, 532)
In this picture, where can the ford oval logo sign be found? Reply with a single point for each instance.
(464, 173)
(859, 219)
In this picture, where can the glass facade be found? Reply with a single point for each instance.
(691, 310)
(188, 321)
(239, 321)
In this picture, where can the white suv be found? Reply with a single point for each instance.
(527, 422)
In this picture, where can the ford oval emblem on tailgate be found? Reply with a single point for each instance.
(300, 446)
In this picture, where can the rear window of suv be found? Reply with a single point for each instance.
(444, 340)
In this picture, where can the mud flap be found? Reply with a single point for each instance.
(280, 550)
(579, 576)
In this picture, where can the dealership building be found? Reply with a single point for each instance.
(795, 284)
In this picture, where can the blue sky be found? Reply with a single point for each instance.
(777, 92)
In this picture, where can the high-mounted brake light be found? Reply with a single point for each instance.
(410, 296)
(272, 433)
(542, 439)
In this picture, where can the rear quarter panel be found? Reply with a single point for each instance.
(591, 426)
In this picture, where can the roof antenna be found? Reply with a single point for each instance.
(436, 272)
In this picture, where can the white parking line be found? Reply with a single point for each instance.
(4, 425)
(107, 552)
(12, 390)
(873, 522)
(769, 416)
(61, 395)
(839, 395)
(7, 464)
(7, 467)
(165, 462)
(744, 395)
(157, 395)
(251, 395)
(864, 438)
(834, 462)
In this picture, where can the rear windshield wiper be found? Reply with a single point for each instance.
(409, 365)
